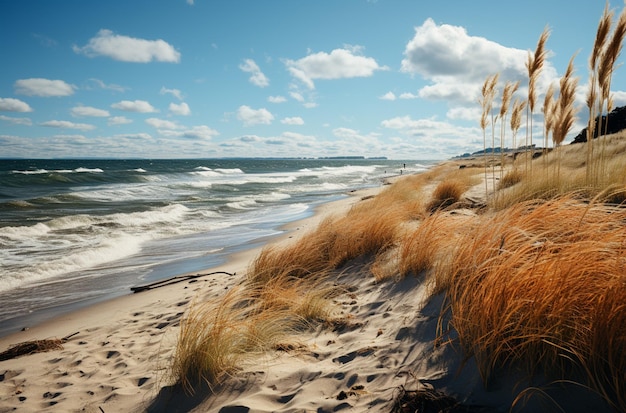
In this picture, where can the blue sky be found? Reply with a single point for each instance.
(232, 78)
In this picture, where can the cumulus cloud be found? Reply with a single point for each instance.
(139, 106)
(338, 64)
(128, 49)
(161, 123)
(200, 132)
(251, 116)
(43, 87)
(67, 125)
(297, 96)
(89, 111)
(257, 77)
(118, 120)
(276, 99)
(14, 105)
(16, 121)
(174, 92)
(458, 63)
(180, 109)
(296, 120)
(433, 132)
(388, 96)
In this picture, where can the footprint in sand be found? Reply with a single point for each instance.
(347, 358)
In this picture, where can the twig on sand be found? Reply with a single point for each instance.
(34, 346)
(174, 280)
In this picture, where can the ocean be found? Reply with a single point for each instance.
(75, 232)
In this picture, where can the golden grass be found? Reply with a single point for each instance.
(565, 171)
(542, 286)
(430, 243)
(446, 194)
(215, 339)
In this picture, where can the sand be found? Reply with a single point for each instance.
(118, 360)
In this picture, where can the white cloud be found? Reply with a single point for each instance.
(128, 49)
(89, 111)
(388, 96)
(16, 121)
(250, 138)
(67, 125)
(173, 131)
(276, 99)
(174, 92)
(356, 138)
(338, 64)
(458, 63)
(251, 116)
(43, 87)
(297, 96)
(257, 77)
(182, 109)
(446, 50)
(434, 135)
(190, 2)
(161, 123)
(200, 132)
(14, 105)
(118, 120)
(140, 106)
(296, 120)
(100, 84)
(408, 95)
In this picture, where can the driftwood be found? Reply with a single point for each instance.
(34, 346)
(174, 280)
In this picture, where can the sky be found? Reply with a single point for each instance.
(275, 78)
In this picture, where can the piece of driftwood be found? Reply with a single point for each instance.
(34, 346)
(174, 280)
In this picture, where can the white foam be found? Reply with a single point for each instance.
(106, 250)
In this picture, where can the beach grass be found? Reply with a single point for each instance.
(534, 281)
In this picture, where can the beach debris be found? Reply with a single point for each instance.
(428, 400)
(34, 346)
(174, 280)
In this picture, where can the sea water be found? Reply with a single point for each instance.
(73, 232)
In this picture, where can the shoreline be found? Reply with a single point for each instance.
(139, 328)
(28, 321)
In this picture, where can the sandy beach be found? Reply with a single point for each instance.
(118, 355)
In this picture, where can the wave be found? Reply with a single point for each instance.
(58, 171)
(111, 249)
(251, 201)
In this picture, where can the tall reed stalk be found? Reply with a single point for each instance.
(516, 122)
(548, 109)
(488, 93)
(507, 94)
(593, 103)
(608, 58)
(565, 111)
(534, 65)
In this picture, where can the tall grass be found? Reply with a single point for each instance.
(488, 93)
(542, 286)
(216, 339)
(534, 66)
(545, 182)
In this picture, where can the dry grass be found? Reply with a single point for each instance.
(430, 243)
(216, 339)
(565, 172)
(446, 194)
(542, 286)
